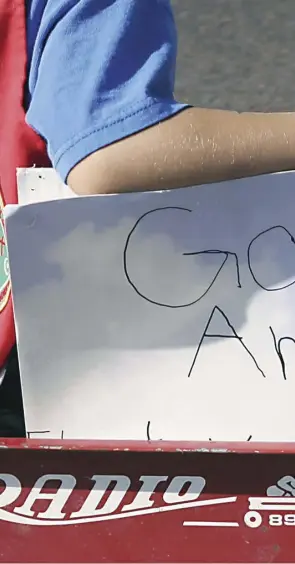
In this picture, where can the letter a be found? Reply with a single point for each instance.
(58, 498)
(228, 332)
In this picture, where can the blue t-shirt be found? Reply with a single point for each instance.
(99, 70)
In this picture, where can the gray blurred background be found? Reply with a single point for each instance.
(236, 54)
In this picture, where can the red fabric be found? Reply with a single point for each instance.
(19, 145)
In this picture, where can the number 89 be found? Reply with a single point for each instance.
(279, 520)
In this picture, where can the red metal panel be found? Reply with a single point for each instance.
(162, 502)
(152, 446)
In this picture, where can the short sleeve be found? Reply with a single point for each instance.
(99, 71)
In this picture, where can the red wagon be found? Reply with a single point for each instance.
(63, 501)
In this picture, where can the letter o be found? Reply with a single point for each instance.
(196, 486)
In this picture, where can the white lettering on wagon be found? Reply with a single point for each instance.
(111, 497)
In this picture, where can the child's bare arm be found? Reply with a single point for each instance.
(100, 92)
(193, 147)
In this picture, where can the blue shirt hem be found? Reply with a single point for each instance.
(87, 142)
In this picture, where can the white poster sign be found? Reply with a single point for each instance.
(167, 315)
(40, 185)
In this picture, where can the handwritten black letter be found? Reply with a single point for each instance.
(251, 263)
(225, 254)
(229, 333)
(277, 344)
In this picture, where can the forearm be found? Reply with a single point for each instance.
(197, 146)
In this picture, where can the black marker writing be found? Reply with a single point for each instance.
(277, 344)
(233, 335)
(251, 263)
(217, 252)
(148, 427)
(248, 440)
(226, 254)
(148, 431)
(29, 433)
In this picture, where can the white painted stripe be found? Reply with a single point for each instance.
(24, 520)
(209, 524)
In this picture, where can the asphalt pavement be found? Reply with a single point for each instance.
(236, 54)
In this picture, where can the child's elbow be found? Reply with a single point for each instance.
(103, 172)
(87, 180)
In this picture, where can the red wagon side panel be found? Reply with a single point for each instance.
(149, 502)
